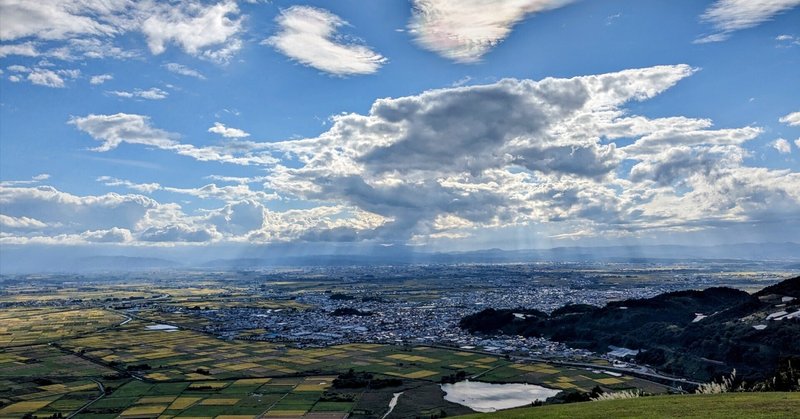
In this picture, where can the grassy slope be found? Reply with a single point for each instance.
(732, 405)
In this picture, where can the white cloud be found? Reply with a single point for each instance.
(55, 20)
(462, 154)
(195, 28)
(112, 235)
(178, 233)
(465, 30)
(782, 146)
(34, 180)
(147, 188)
(568, 157)
(728, 16)
(308, 35)
(67, 213)
(184, 70)
(27, 49)
(87, 28)
(792, 119)
(797, 142)
(225, 193)
(57, 217)
(20, 223)
(786, 40)
(211, 191)
(100, 79)
(113, 130)
(44, 77)
(227, 132)
(153, 93)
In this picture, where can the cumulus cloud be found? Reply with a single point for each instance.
(728, 16)
(42, 76)
(184, 70)
(522, 152)
(193, 27)
(67, 213)
(782, 146)
(112, 235)
(56, 217)
(87, 28)
(100, 79)
(227, 132)
(567, 156)
(45, 212)
(465, 30)
(177, 233)
(9, 223)
(26, 49)
(792, 119)
(225, 193)
(309, 36)
(153, 93)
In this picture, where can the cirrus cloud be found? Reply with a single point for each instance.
(465, 30)
(308, 35)
(728, 16)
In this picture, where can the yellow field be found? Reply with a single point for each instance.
(25, 326)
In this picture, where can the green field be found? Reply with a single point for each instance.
(731, 405)
(102, 359)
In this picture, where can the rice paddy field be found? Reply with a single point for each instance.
(112, 355)
(25, 326)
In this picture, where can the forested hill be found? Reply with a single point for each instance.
(697, 334)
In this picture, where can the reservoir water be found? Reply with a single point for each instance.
(488, 397)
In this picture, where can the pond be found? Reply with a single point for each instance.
(488, 397)
(164, 327)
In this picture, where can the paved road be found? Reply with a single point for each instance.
(102, 390)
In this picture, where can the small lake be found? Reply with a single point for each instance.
(488, 397)
(163, 327)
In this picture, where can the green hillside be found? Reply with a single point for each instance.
(730, 405)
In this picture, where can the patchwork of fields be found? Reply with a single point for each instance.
(103, 364)
(27, 326)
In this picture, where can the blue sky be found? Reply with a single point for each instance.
(442, 124)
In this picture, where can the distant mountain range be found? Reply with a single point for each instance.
(52, 259)
(742, 252)
(110, 263)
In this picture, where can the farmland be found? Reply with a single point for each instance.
(250, 344)
(189, 374)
